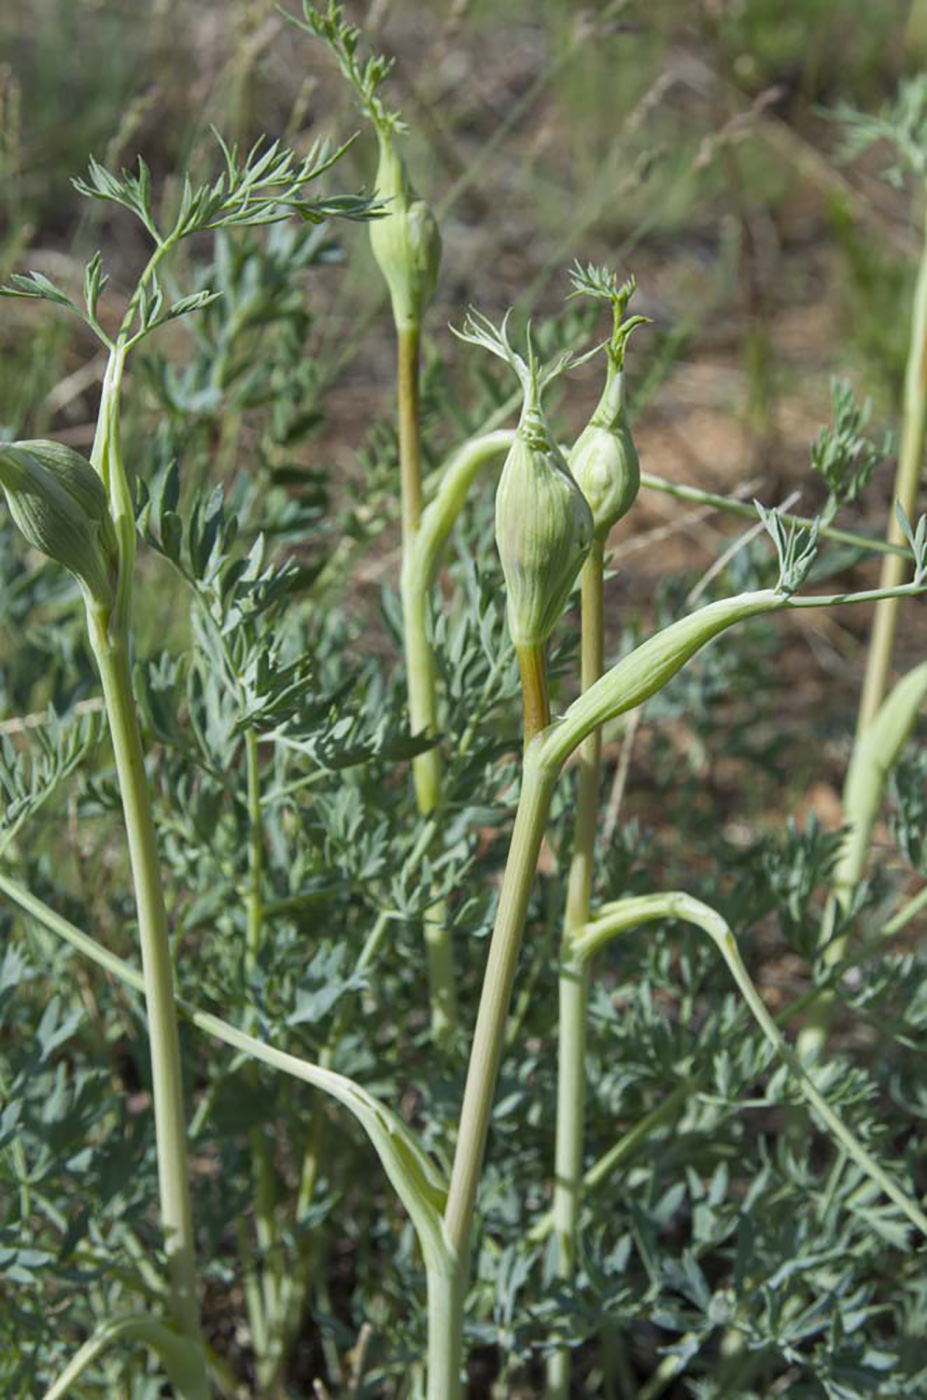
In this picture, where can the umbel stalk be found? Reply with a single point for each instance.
(907, 481)
(167, 1085)
(574, 973)
(420, 673)
(110, 630)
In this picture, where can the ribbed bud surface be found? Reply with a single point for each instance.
(406, 242)
(60, 505)
(604, 459)
(544, 530)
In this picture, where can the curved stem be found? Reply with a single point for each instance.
(599, 1172)
(628, 914)
(448, 501)
(181, 1360)
(876, 751)
(907, 479)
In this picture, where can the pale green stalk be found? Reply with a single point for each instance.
(745, 511)
(875, 753)
(447, 1285)
(573, 981)
(263, 1289)
(419, 660)
(181, 1360)
(633, 680)
(627, 914)
(535, 700)
(907, 481)
(109, 633)
(167, 1083)
(537, 786)
(906, 913)
(443, 1218)
(421, 678)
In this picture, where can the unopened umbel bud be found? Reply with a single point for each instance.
(544, 529)
(604, 459)
(406, 242)
(61, 507)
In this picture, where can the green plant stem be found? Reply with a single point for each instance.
(876, 751)
(263, 1300)
(295, 1283)
(420, 673)
(907, 478)
(447, 1283)
(904, 915)
(420, 668)
(410, 471)
(627, 914)
(532, 667)
(623, 1150)
(489, 1035)
(600, 1171)
(573, 981)
(634, 679)
(748, 512)
(167, 1084)
(180, 1357)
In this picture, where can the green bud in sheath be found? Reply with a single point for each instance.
(604, 459)
(543, 523)
(60, 505)
(544, 530)
(406, 242)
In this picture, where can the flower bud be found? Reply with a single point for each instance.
(61, 507)
(544, 529)
(604, 459)
(406, 242)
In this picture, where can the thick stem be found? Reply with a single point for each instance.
(167, 1084)
(446, 1288)
(907, 478)
(489, 1037)
(420, 673)
(574, 973)
(532, 666)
